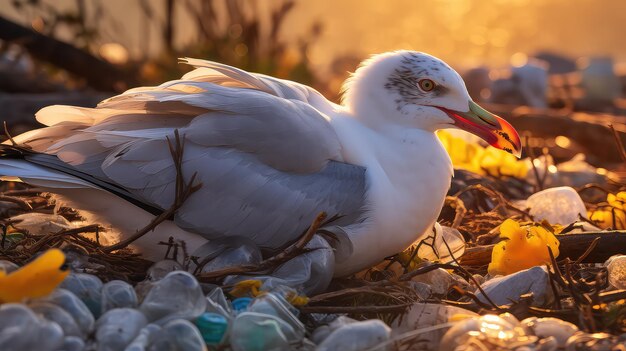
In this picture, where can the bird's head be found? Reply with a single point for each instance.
(415, 90)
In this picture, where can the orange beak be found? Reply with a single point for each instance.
(487, 126)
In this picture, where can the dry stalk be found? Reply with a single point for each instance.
(183, 191)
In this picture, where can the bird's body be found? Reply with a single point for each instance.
(270, 154)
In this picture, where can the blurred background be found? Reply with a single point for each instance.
(555, 68)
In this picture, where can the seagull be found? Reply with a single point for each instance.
(270, 155)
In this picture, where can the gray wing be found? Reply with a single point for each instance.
(268, 161)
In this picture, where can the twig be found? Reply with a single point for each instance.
(592, 246)
(23, 204)
(469, 275)
(531, 153)
(8, 135)
(183, 191)
(356, 309)
(618, 142)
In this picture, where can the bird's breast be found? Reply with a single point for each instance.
(408, 178)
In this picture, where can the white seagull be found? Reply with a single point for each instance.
(271, 154)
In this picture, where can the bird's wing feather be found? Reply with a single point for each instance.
(268, 161)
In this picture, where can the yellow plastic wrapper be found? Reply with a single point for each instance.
(36, 279)
(481, 160)
(614, 215)
(522, 247)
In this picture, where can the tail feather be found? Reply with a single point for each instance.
(47, 171)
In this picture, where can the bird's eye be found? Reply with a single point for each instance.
(427, 84)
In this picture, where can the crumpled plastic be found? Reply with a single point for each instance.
(522, 247)
(613, 215)
(309, 273)
(474, 157)
(36, 279)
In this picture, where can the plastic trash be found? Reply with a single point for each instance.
(241, 304)
(160, 269)
(227, 252)
(118, 327)
(177, 295)
(88, 288)
(508, 289)
(178, 335)
(616, 266)
(433, 247)
(8, 266)
(72, 343)
(560, 205)
(75, 307)
(143, 339)
(54, 313)
(310, 272)
(22, 330)
(356, 336)
(258, 332)
(212, 327)
(274, 305)
(118, 294)
(217, 303)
